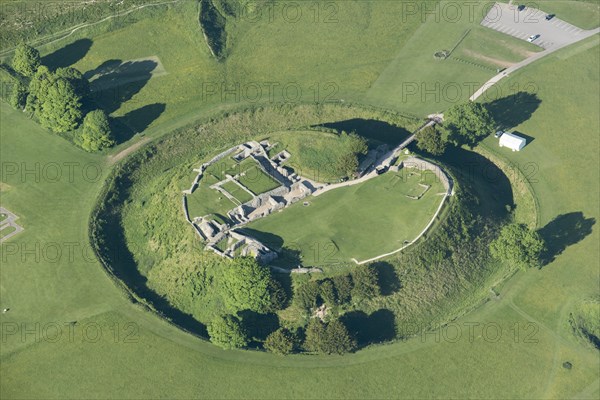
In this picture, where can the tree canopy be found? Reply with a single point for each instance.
(96, 132)
(366, 282)
(519, 245)
(246, 285)
(468, 123)
(26, 60)
(282, 341)
(432, 141)
(328, 338)
(18, 96)
(54, 101)
(60, 108)
(227, 332)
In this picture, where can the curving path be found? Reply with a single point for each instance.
(532, 21)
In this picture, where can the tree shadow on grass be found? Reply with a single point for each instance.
(378, 327)
(513, 110)
(564, 231)
(372, 130)
(136, 121)
(68, 55)
(115, 82)
(388, 279)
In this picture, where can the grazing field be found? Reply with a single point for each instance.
(360, 221)
(473, 337)
(569, 202)
(414, 81)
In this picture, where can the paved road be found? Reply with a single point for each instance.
(557, 34)
(523, 24)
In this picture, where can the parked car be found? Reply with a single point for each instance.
(381, 169)
(498, 134)
(533, 37)
(550, 16)
(521, 7)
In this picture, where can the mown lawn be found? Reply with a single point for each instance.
(257, 181)
(360, 221)
(418, 83)
(524, 361)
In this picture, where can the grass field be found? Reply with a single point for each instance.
(240, 194)
(584, 14)
(205, 200)
(257, 181)
(520, 338)
(418, 83)
(360, 221)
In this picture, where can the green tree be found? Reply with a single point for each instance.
(314, 335)
(278, 296)
(337, 339)
(327, 292)
(60, 109)
(519, 245)
(246, 285)
(227, 332)
(329, 338)
(431, 140)
(18, 96)
(75, 78)
(282, 341)
(467, 123)
(351, 147)
(366, 282)
(306, 295)
(38, 88)
(26, 60)
(343, 288)
(96, 133)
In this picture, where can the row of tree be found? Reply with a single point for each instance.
(362, 283)
(56, 99)
(321, 337)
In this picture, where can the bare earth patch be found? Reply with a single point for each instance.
(495, 61)
(124, 153)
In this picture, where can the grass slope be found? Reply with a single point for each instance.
(532, 310)
(360, 221)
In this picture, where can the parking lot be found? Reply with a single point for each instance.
(507, 19)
